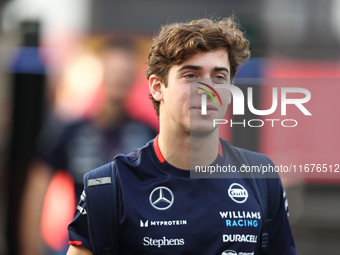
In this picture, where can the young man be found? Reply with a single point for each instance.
(161, 210)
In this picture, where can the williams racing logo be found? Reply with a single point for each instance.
(241, 218)
(238, 193)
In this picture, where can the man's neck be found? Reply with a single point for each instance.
(186, 151)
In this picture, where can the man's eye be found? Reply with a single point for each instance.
(190, 76)
(220, 78)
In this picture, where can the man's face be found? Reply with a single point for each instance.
(181, 104)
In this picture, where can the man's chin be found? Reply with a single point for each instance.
(202, 130)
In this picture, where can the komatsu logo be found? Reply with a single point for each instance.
(231, 252)
(238, 193)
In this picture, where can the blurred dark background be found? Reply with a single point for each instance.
(52, 74)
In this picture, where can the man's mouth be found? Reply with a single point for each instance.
(209, 108)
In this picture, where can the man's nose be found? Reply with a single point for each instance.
(202, 89)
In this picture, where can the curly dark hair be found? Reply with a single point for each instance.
(179, 41)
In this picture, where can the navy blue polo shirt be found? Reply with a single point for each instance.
(164, 211)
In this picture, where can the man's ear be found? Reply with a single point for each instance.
(155, 86)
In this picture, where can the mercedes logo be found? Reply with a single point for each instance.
(161, 198)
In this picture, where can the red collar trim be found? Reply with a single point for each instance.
(162, 159)
(157, 150)
(220, 151)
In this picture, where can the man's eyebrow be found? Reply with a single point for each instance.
(192, 67)
(217, 69)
